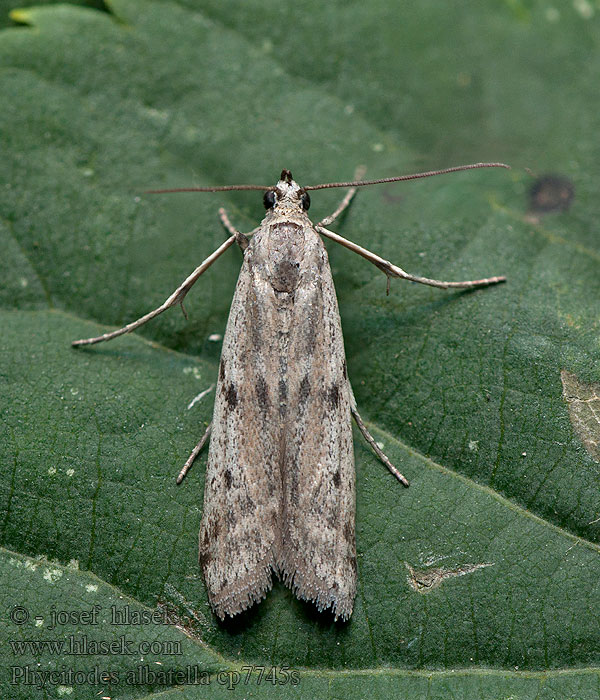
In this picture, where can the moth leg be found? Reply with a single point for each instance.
(358, 174)
(199, 396)
(195, 452)
(240, 238)
(375, 447)
(394, 271)
(176, 298)
(371, 440)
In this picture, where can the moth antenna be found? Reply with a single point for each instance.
(327, 185)
(222, 188)
(413, 176)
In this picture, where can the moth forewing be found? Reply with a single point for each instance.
(242, 493)
(318, 555)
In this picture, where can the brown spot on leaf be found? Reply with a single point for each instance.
(425, 580)
(583, 401)
(551, 193)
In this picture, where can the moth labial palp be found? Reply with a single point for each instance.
(280, 487)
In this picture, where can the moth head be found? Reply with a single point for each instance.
(286, 191)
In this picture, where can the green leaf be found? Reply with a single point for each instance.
(478, 581)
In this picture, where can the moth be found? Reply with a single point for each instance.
(279, 492)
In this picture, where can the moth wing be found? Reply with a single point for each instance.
(318, 557)
(239, 532)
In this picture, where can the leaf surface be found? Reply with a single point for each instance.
(478, 581)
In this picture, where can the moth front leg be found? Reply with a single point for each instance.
(240, 238)
(176, 297)
(358, 174)
(392, 270)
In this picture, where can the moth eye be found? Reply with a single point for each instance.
(305, 201)
(269, 199)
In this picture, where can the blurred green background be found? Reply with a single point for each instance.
(481, 580)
